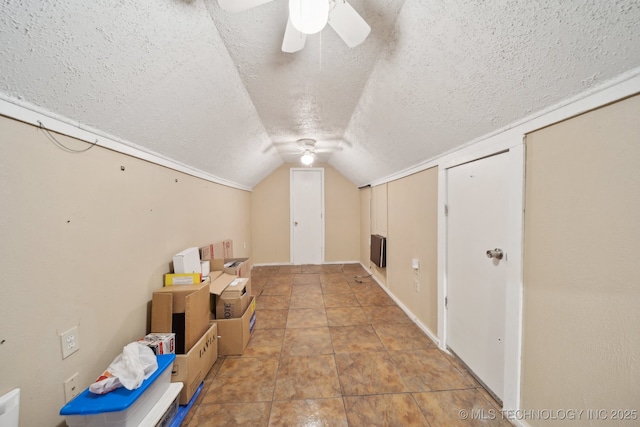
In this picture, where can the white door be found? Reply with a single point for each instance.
(307, 211)
(476, 284)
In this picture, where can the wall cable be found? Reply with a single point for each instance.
(59, 144)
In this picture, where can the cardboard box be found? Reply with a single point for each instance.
(171, 279)
(220, 250)
(187, 261)
(206, 252)
(190, 369)
(240, 267)
(183, 310)
(219, 282)
(223, 249)
(234, 300)
(234, 334)
(160, 343)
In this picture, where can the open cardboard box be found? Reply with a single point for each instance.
(233, 334)
(234, 300)
(219, 283)
(191, 368)
(240, 267)
(183, 310)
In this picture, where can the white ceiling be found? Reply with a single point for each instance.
(212, 90)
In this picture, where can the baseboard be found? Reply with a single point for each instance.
(404, 308)
(271, 264)
(340, 262)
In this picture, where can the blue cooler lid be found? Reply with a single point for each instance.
(120, 399)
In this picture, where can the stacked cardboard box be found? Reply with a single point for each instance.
(234, 309)
(220, 250)
(231, 303)
(234, 299)
(184, 311)
(188, 268)
(203, 279)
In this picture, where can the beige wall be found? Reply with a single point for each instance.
(270, 223)
(84, 243)
(270, 219)
(405, 211)
(413, 233)
(342, 217)
(581, 270)
(365, 226)
(379, 210)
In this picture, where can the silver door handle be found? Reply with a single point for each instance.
(295, 223)
(495, 253)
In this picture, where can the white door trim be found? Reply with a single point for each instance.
(291, 171)
(513, 309)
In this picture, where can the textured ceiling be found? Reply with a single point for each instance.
(212, 90)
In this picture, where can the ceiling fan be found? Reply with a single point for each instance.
(306, 149)
(309, 17)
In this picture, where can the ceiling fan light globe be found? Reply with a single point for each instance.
(306, 159)
(309, 16)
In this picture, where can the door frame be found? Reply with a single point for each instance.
(322, 240)
(514, 143)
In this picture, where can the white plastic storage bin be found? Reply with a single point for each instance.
(121, 407)
(165, 410)
(10, 409)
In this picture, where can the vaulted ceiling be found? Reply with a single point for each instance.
(212, 89)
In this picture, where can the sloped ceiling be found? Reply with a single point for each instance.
(212, 90)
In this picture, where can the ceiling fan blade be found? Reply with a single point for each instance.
(348, 24)
(293, 40)
(327, 150)
(240, 5)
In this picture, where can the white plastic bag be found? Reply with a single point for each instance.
(136, 363)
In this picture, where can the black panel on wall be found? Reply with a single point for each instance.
(379, 250)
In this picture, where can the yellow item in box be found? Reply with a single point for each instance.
(182, 279)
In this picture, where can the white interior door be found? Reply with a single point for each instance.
(307, 216)
(477, 203)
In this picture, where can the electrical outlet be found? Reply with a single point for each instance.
(416, 285)
(71, 387)
(70, 342)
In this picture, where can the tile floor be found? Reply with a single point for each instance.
(332, 350)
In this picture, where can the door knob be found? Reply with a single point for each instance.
(295, 223)
(495, 253)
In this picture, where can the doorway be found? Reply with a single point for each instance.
(477, 255)
(307, 215)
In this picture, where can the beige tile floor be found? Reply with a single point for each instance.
(330, 350)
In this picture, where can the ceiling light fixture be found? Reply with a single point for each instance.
(307, 158)
(309, 16)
